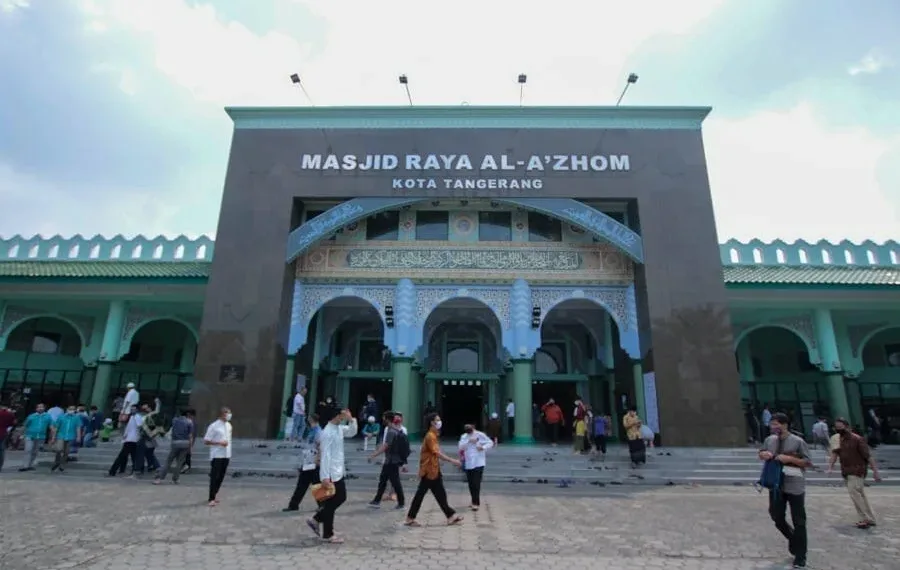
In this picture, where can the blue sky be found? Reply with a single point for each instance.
(111, 114)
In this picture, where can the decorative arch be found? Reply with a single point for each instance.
(12, 321)
(566, 209)
(870, 335)
(132, 328)
(309, 299)
(495, 299)
(811, 346)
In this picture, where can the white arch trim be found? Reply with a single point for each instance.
(22, 321)
(813, 353)
(310, 299)
(865, 340)
(125, 345)
(468, 294)
(599, 302)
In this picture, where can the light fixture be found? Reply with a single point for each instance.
(404, 81)
(522, 80)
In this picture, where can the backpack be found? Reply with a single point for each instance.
(400, 447)
(289, 407)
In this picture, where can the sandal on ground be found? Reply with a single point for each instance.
(412, 523)
(212, 504)
(474, 508)
(334, 540)
(454, 520)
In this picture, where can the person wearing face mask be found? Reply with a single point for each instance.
(793, 454)
(332, 468)
(473, 444)
(218, 439)
(856, 458)
(37, 426)
(131, 434)
(65, 431)
(308, 470)
(430, 478)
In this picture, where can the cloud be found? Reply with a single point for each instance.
(871, 63)
(785, 175)
(10, 6)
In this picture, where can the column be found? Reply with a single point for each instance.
(637, 371)
(831, 366)
(287, 391)
(401, 367)
(109, 353)
(854, 402)
(312, 396)
(745, 361)
(521, 388)
(609, 361)
(413, 419)
(2, 314)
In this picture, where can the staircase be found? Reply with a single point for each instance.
(260, 462)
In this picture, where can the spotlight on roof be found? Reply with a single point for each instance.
(404, 81)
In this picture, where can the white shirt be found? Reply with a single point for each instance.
(299, 405)
(133, 428)
(217, 432)
(384, 436)
(475, 458)
(510, 410)
(820, 429)
(131, 399)
(331, 450)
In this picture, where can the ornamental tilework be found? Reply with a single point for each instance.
(14, 316)
(313, 297)
(497, 299)
(615, 301)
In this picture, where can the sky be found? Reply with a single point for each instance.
(112, 121)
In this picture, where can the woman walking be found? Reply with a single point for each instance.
(218, 439)
(430, 474)
(473, 444)
(636, 447)
(331, 472)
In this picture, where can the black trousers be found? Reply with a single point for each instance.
(129, 449)
(325, 516)
(511, 426)
(304, 480)
(217, 469)
(436, 486)
(796, 536)
(553, 432)
(473, 477)
(390, 472)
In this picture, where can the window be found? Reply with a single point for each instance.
(46, 343)
(543, 228)
(892, 354)
(545, 363)
(373, 356)
(462, 357)
(133, 353)
(494, 226)
(432, 226)
(383, 227)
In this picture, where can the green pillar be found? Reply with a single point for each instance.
(854, 401)
(413, 418)
(286, 391)
(401, 401)
(109, 353)
(637, 371)
(521, 389)
(828, 352)
(745, 361)
(609, 361)
(613, 409)
(87, 386)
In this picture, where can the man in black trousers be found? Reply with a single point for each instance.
(396, 452)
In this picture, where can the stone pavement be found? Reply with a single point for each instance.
(61, 522)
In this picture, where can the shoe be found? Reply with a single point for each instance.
(290, 509)
(374, 505)
(799, 563)
(399, 507)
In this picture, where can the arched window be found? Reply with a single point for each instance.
(462, 357)
(546, 363)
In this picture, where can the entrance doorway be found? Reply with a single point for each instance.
(461, 402)
(564, 394)
(360, 388)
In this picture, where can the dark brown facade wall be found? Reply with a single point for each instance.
(683, 301)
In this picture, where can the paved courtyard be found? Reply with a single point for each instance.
(61, 522)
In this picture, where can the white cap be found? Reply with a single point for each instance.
(495, 415)
(130, 385)
(371, 419)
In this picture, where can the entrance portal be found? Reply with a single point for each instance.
(564, 394)
(360, 388)
(461, 402)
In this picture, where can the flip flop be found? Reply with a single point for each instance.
(455, 520)
(412, 524)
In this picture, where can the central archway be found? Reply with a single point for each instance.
(568, 210)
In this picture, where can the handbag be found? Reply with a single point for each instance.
(322, 492)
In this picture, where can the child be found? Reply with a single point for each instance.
(106, 430)
(370, 433)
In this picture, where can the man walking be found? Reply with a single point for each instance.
(793, 454)
(430, 474)
(474, 444)
(856, 458)
(64, 433)
(511, 418)
(130, 437)
(218, 439)
(396, 451)
(37, 426)
(299, 415)
(331, 472)
(308, 470)
(182, 441)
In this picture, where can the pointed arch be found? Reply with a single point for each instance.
(125, 345)
(21, 321)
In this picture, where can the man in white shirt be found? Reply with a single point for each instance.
(132, 399)
(331, 472)
(218, 438)
(473, 444)
(511, 418)
(131, 434)
(299, 416)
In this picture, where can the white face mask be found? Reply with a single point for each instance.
(438, 424)
(228, 417)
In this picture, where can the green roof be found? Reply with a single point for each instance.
(197, 270)
(811, 275)
(104, 269)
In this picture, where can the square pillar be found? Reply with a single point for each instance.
(401, 401)
(287, 391)
(831, 365)
(109, 354)
(637, 371)
(521, 389)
